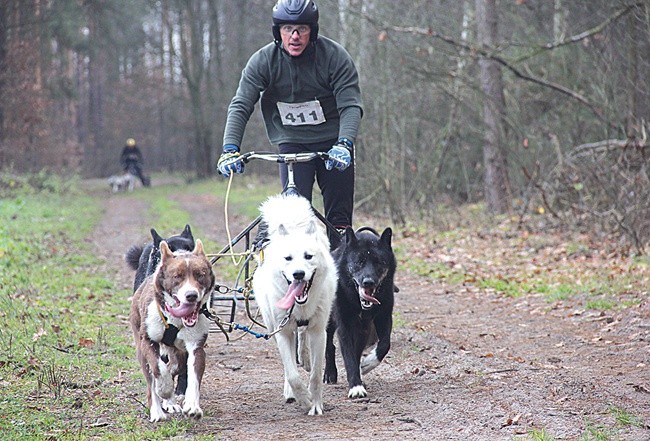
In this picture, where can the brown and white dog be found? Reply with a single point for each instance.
(169, 319)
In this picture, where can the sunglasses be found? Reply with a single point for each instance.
(290, 29)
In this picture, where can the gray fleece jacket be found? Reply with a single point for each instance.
(323, 73)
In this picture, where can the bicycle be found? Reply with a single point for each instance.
(225, 299)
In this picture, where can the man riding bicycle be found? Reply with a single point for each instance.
(310, 101)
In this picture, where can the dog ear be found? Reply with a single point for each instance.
(187, 232)
(282, 230)
(165, 252)
(156, 238)
(386, 236)
(311, 228)
(350, 237)
(198, 248)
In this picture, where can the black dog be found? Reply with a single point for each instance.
(145, 259)
(363, 308)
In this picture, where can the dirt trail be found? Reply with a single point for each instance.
(465, 364)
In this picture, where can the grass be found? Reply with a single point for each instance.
(596, 433)
(625, 418)
(622, 419)
(511, 288)
(58, 341)
(66, 358)
(540, 435)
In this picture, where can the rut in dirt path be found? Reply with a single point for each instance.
(120, 227)
(464, 364)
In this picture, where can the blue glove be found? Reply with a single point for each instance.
(229, 161)
(339, 155)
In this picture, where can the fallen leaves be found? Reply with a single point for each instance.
(512, 421)
(86, 342)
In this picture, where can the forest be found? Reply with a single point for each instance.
(524, 106)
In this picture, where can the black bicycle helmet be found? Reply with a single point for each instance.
(295, 12)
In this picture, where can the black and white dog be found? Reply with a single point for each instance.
(363, 308)
(145, 259)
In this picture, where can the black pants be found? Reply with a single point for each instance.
(136, 169)
(337, 187)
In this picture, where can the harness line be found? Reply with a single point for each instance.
(225, 211)
(266, 336)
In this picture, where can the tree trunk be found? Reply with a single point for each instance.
(632, 126)
(193, 67)
(496, 183)
(94, 146)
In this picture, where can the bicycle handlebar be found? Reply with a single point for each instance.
(283, 158)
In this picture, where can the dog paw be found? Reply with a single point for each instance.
(357, 392)
(171, 405)
(288, 394)
(157, 415)
(192, 411)
(316, 409)
(330, 377)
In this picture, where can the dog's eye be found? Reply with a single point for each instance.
(308, 256)
(288, 258)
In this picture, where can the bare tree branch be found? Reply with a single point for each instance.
(487, 53)
(596, 29)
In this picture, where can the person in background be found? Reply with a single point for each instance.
(310, 101)
(131, 161)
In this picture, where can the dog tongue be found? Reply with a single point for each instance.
(368, 298)
(295, 289)
(182, 310)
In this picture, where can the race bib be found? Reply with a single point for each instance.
(309, 113)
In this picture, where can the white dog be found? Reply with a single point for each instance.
(294, 286)
(121, 182)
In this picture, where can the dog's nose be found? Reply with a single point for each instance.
(299, 275)
(192, 296)
(368, 282)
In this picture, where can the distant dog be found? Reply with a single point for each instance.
(145, 259)
(122, 182)
(170, 327)
(362, 311)
(294, 286)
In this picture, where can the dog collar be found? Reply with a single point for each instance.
(171, 331)
(206, 312)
